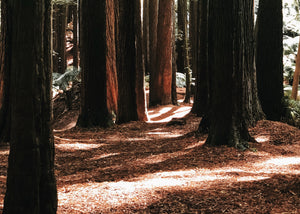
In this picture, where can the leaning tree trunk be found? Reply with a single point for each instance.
(31, 185)
(4, 75)
(296, 76)
(164, 52)
(269, 53)
(227, 66)
(95, 49)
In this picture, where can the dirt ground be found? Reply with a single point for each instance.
(153, 167)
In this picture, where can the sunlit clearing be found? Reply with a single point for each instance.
(98, 157)
(77, 146)
(284, 161)
(262, 139)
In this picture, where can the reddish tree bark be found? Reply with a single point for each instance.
(164, 53)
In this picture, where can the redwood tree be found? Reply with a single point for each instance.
(153, 85)
(164, 53)
(31, 185)
(228, 53)
(126, 61)
(269, 54)
(4, 75)
(95, 61)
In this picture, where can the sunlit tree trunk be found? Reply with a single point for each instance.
(164, 52)
(31, 185)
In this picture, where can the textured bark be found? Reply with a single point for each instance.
(187, 72)
(126, 62)
(112, 80)
(146, 36)
(74, 9)
(296, 75)
(201, 101)
(228, 64)
(180, 35)
(31, 185)
(140, 66)
(94, 50)
(153, 86)
(164, 53)
(269, 55)
(4, 75)
(61, 24)
(174, 58)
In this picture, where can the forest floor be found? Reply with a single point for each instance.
(156, 167)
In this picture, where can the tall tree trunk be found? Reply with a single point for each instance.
(126, 62)
(61, 24)
(201, 100)
(187, 98)
(140, 66)
(4, 75)
(164, 53)
(153, 86)
(31, 185)
(146, 36)
(269, 53)
(296, 76)
(180, 35)
(174, 57)
(94, 59)
(227, 66)
(74, 9)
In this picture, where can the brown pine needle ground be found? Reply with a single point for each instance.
(155, 168)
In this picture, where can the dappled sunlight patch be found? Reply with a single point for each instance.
(165, 134)
(98, 157)
(166, 114)
(147, 189)
(194, 145)
(77, 146)
(284, 161)
(262, 138)
(4, 152)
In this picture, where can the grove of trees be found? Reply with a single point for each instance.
(236, 66)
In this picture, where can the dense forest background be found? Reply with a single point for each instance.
(149, 106)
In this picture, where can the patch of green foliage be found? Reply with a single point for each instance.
(291, 112)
